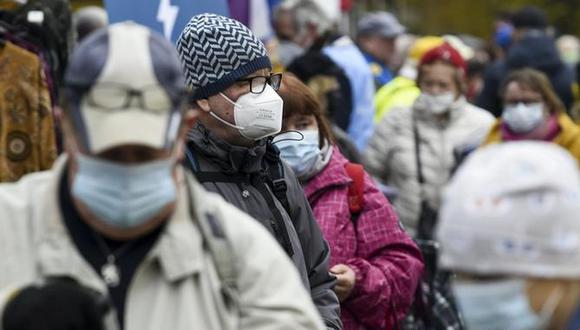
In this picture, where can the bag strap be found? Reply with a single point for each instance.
(356, 188)
(220, 248)
(417, 139)
(274, 179)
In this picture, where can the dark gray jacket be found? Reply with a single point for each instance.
(239, 174)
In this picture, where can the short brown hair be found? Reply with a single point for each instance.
(458, 75)
(299, 100)
(537, 82)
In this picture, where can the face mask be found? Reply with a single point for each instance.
(502, 304)
(302, 155)
(124, 196)
(522, 118)
(256, 115)
(436, 104)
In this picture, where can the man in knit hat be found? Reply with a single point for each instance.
(230, 148)
(117, 225)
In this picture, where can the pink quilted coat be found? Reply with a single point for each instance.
(386, 262)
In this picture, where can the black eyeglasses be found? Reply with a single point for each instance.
(112, 96)
(258, 83)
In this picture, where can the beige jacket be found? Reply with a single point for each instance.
(390, 155)
(176, 286)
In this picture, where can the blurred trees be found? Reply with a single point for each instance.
(471, 16)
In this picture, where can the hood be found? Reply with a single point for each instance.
(228, 158)
(334, 174)
(537, 51)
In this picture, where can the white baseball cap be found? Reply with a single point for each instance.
(125, 85)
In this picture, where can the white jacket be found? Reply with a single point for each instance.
(176, 286)
(390, 155)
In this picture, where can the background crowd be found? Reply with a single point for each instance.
(313, 176)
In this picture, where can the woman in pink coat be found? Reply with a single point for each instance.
(376, 263)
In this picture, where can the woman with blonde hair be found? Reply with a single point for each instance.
(533, 111)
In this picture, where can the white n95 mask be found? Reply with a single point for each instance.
(256, 116)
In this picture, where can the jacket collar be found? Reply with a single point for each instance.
(178, 250)
(334, 174)
(229, 158)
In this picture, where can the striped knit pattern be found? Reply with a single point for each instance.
(216, 51)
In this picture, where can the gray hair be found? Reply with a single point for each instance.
(308, 12)
(88, 19)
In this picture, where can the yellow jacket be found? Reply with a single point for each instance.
(569, 137)
(399, 92)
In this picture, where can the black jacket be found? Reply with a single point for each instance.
(537, 51)
(239, 174)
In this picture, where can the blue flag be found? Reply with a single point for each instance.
(167, 17)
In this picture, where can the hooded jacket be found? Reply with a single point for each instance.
(537, 51)
(391, 155)
(176, 286)
(568, 138)
(386, 262)
(248, 168)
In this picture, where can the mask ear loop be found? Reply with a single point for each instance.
(289, 138)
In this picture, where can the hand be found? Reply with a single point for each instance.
(345, 279)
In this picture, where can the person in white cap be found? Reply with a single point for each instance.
(509, 228)
(117, 235)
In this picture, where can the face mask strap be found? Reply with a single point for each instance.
(227, 99)
(289, 138)
(223, 121)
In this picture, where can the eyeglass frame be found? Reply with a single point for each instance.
(268, 81)
(177, 101)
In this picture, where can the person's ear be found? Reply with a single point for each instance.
(203, 105)
(189, 119)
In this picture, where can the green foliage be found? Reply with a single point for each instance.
(474, 17)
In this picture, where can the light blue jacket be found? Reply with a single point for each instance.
(347, 55)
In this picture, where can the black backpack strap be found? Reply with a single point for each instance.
(277, 179)
(275, 182)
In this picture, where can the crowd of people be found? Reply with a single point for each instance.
(313, 180)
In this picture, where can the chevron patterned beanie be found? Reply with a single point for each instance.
(216, 51)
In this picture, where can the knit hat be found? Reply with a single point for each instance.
(105, 71)
(512, 209)
(445, 53)
(216, 51)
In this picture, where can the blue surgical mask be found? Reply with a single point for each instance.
(302, 155)
(502, 304)
(523, 118)
(124, 196)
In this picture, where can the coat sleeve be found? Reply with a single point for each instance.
(380, 148)
(316, 254)
(271, 294)
(388, 265)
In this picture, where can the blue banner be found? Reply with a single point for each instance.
(168, 17)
